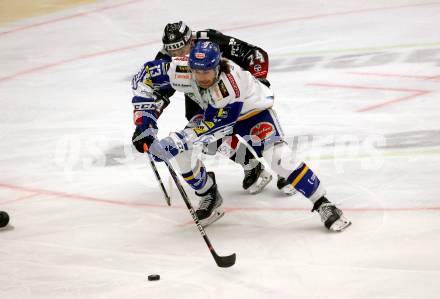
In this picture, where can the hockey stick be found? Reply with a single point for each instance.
(221, 261)
(156, 173)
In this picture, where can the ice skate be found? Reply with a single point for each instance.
(285, 187)
(209, 209)
(256, 177)
(331, 216)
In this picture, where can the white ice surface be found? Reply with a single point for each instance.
(88, 219)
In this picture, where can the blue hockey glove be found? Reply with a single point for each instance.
(169, 147)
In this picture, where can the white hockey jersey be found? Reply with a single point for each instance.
(235, 96)
(237, 86)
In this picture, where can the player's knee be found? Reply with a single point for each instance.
(281, 159)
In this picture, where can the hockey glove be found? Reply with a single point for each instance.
(264, 81)
(140, 138)
(145, 119)
(169, 147)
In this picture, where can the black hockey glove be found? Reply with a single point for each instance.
(140, 139)
(264, 81)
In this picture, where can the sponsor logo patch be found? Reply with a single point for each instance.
(234, 85)
(223, 89)
(262, 131)
(204, 127)
(182, 69)
(200, 55)
(182, 76)
(144, 106)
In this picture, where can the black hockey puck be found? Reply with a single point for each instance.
(153, 277)
(4, 219)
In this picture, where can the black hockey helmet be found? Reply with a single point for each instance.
(176, 36)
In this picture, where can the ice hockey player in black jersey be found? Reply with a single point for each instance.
(178, 39)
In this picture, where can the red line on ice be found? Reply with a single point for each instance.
(395, 75)
(77, 15)
(230, 28)
(372, 107)
(415, 93)
(329, 15)
(261, 24)
(42, 192)
(365, 87)
(75, 59)
(19, 199)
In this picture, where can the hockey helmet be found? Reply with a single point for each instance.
(204, 56)
(176, 36)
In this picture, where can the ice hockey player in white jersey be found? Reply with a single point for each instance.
(234, 102)
(177, 40)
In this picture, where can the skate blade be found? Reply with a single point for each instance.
(216, 215)
(261, 182)
(341, 224)
(288, 190)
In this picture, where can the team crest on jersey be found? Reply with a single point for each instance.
(262, 131)
(203, 127)
(222, 113)
(223, 89)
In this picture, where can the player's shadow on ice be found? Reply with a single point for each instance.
(7, 228)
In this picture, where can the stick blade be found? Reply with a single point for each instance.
(225, 261)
